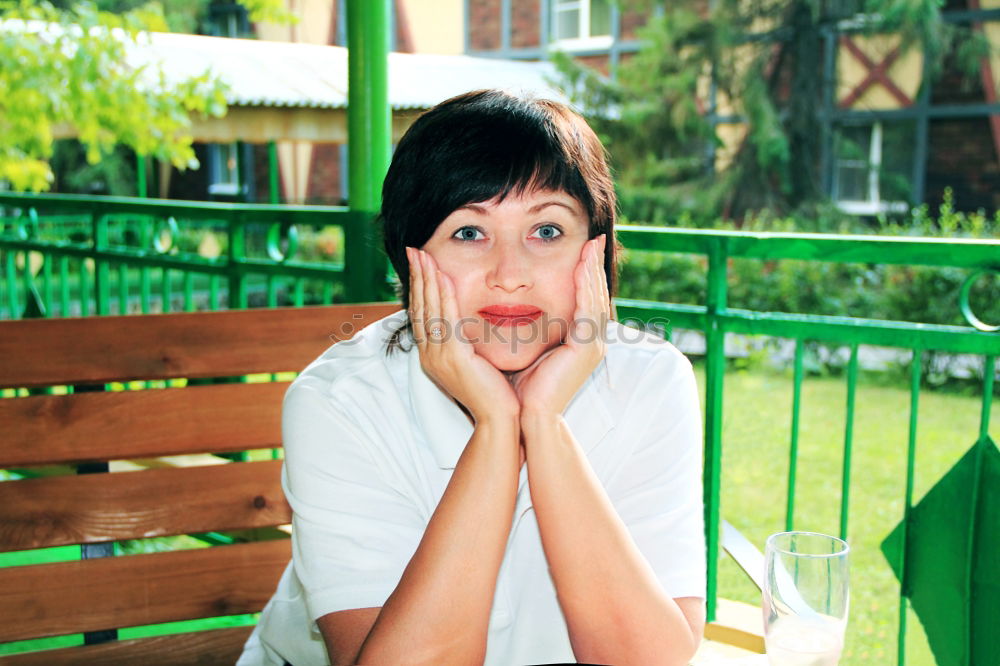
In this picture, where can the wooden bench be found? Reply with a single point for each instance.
(85, 430)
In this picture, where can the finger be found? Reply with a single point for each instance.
(416, 296)
(581, 280)
(449, 303)
(432, 298)
(603, 295)
(580, 274)
(603, 257)
(595, 314)
(592, 281)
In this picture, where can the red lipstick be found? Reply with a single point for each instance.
(510, 315)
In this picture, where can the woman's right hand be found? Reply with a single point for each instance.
(445, 355)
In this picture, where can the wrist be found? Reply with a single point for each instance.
(533, 419)
(508, 419)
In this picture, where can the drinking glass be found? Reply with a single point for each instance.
(805, 598)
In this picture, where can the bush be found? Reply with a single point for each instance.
(925, 294)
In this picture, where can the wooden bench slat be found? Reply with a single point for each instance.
(214, 646)
(90, 508)
(128, 591)
(52, 429)
(89, 350)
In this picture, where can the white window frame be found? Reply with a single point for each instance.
(873, 204)
(224, 180)
(583, 40)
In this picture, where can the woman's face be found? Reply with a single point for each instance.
(512, 263)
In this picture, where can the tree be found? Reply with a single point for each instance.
(67, 66)
(764, 60)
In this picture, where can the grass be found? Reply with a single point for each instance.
(756, 436)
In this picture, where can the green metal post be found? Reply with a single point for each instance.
(793, 453)
(47, 284)
(274, 195)
(11, 280)
(63, 286)
(122, 288)
(369, 140)
(845, 482)
(102, 271)
(237, 279)
(989, 369)
(911, 457)
(140, 175)
(715, 338)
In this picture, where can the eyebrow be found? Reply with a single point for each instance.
(481, 210)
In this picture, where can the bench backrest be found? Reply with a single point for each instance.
(57, 436)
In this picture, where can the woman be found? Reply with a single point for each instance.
(498, 472)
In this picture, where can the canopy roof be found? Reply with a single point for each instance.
(285, 74)
(294, 91)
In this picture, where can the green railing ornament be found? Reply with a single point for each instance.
(172, 230)
(963, 303)
(278, 232)
(26, 226)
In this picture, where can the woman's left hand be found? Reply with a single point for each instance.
(546, 386)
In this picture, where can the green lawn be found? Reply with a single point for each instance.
(756, 435)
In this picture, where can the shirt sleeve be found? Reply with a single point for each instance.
(353, 534)
(657, 491)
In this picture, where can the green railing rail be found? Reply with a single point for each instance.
(101, 255)
(99, 252)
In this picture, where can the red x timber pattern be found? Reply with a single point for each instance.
(989, 86)
(877, 73)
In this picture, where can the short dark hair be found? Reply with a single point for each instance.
(488, 144)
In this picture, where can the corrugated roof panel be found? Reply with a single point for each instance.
(262, 73)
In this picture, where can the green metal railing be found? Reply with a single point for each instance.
(67, 254)
(717, 320)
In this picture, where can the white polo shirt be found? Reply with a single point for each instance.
(371, 443)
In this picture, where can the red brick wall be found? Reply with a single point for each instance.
(484, 25)
(404, 41)
(324, 175)
(525, 23)
(630, 20)
(961, 155)
(598, 62)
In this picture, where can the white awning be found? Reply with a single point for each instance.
(285, 74)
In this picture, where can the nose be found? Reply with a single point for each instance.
(508, 268)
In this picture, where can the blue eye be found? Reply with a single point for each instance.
(548, 232)
(467, 234)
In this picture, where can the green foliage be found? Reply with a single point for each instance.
(71, 70)
(272, 11)
(114, 174)
(925, 294)
(65, 68)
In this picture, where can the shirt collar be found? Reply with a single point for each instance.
(447, 429)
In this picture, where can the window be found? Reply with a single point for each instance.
(226, 20)
(224, 169)
(872, 167)
(581, 22)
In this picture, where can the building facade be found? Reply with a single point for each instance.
(310, 172)
(894, 136)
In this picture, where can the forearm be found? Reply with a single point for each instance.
(439, 611)
(614, 606)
